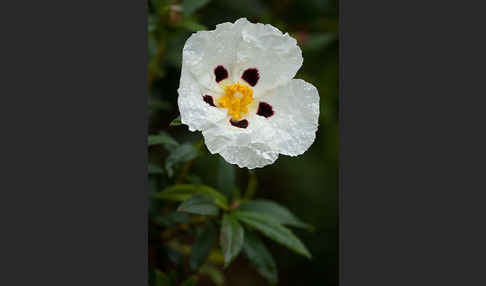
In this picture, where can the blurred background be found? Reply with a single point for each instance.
(307, 184)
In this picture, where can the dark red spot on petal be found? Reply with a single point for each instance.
(209, 100)
(241, 124)
(251, 76)
(221, 73)
(265, 109)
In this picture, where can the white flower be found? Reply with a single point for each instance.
(237, 87)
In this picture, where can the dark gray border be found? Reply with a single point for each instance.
(411, 143)
(73, 187)
(74, 144)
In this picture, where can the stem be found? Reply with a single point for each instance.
(252, 185)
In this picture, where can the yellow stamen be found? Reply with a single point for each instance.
(236, 98)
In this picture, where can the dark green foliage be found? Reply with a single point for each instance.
(260, 257)
(154, 169)
(172, 219)
(231, 238)
(161, 279)
(218, 200)
(163, 138)
(274, 211)
(199, 204)
(203, 245)
(183, 192)
(176, 121)
(191, 6)
(190, 281)
(214, 273)
(181, 154)
(274, 230)
(226, 178)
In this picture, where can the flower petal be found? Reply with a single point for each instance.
(205, 51)
(247, 147)
(195, 112)
(275, 56)
(295, 118)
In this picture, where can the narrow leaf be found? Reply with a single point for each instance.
(184, 191)
(260, 257)
(275, 211)
(226, 178)
(176, 121)
(214, 273)
(183, 153)
(201, 248)
(199, 204)
(231, 238)
(162, 138)
(274, 230)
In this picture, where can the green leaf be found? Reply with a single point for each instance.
(199, 204)
(273, 230)
(191, 6)
(260, 257)
(162, 138)
(176, 121)
(184, 191)
(275, 211)
(231, 238)
(183, 153)
(226, 178)
(161, 279)
(191, 281)
(214, 273)
(201, 248)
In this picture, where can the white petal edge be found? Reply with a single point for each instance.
(205, 50)
(276, 56)
(194, 111)
(246, 147)
(296, 116)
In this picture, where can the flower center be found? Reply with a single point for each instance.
(236, 98)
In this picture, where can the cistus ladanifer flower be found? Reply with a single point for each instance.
(237, 86)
